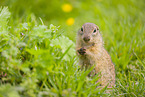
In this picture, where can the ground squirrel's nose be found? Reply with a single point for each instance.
(86, 39)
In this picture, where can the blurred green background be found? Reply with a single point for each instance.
(105, 13)
(34, 54)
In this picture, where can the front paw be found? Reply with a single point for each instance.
(82, 51)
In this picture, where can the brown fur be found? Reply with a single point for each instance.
(93, 52)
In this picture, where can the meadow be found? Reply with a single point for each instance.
(37, 47)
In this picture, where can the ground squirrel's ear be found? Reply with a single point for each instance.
(97, 28)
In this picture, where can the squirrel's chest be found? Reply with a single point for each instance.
(85, 61)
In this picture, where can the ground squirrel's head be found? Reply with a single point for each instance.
(89, 33)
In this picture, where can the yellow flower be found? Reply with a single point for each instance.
(66, 7)
(70, 21)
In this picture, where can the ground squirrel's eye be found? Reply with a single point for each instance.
(82, 29)
(94, 31)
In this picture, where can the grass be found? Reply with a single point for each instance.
(39, 60)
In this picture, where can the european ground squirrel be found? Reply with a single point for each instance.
(90, 49)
